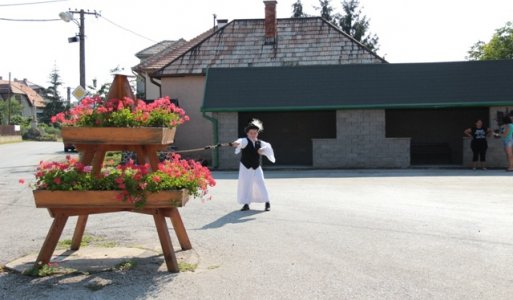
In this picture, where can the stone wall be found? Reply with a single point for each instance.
(495, 156)
(361, 143)
(228, 124)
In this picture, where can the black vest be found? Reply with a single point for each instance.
(250, 157)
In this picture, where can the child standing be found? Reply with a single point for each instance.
(251, 186)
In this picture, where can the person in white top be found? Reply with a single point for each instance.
(251, 186)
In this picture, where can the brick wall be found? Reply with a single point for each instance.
(361, 143)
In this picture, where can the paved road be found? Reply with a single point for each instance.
(341, 234)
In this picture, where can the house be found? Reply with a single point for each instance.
(150, 57)
(364, 115)
(327, 101)
(180, 71)
(32, 102)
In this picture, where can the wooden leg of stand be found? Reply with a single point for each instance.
(97, 162)
(45, 254)
(79, 232)
(165, 241)
(179, 228)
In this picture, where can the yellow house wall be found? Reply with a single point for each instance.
(189, 91)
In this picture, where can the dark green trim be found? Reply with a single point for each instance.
(342, 107)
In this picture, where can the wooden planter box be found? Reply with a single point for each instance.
(118, 136)
(106, 199)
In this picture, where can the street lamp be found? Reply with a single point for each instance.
(68, 16)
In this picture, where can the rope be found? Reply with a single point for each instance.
(209, 147)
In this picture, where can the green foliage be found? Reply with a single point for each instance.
(297, 10)
(353, 23)
(327, 11)
(186, 267)
(20, 120)
(15, 109)
(54, 103)
(42, 270)
(42, 133)
(50, 110)
(121, 118)
(499, 47)
(126, 265)
(88, 240)
(52, 92)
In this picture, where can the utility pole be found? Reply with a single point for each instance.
(9, 102)
(68, 16)
(82, 49)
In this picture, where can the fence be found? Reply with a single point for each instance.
(6, 130)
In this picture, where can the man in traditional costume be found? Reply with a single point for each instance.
(251, 186)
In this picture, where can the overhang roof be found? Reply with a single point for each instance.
(20, 88)
(241, 43)
(405, 85)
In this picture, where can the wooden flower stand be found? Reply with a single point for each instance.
(93, 143)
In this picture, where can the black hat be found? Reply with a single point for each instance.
(254, 124)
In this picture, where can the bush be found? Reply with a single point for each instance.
(39, 134)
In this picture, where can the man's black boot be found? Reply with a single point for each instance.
(245, 207)
(267, 206)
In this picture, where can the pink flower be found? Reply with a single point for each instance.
(21, 181)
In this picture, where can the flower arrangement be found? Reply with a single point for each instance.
(125, 112)
(131, 180)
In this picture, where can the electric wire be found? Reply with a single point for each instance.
(29, 20)
(32, 3)
(126, 29)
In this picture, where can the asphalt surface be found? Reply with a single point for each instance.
(331, 234)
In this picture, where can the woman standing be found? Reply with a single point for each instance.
(251, 186)
(507, 138)
(479, 145)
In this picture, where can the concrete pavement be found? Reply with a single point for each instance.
(331, 234)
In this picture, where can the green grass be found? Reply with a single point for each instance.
(126, 265)
(43, 271)
(88, 240)
(186, 267)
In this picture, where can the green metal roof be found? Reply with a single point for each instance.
(357, 86)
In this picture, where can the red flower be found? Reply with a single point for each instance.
(21, 181)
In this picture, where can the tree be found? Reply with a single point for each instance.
(356, 25)
(297, 10)
(327, 11)
(499, 47)
(5, 110)
(54, 103)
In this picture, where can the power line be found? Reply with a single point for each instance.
(126, 29)
(29, 20)
(32, 3)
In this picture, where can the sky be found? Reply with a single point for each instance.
(408, 30)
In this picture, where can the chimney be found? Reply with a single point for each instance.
(221, 23)
(270, 22)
